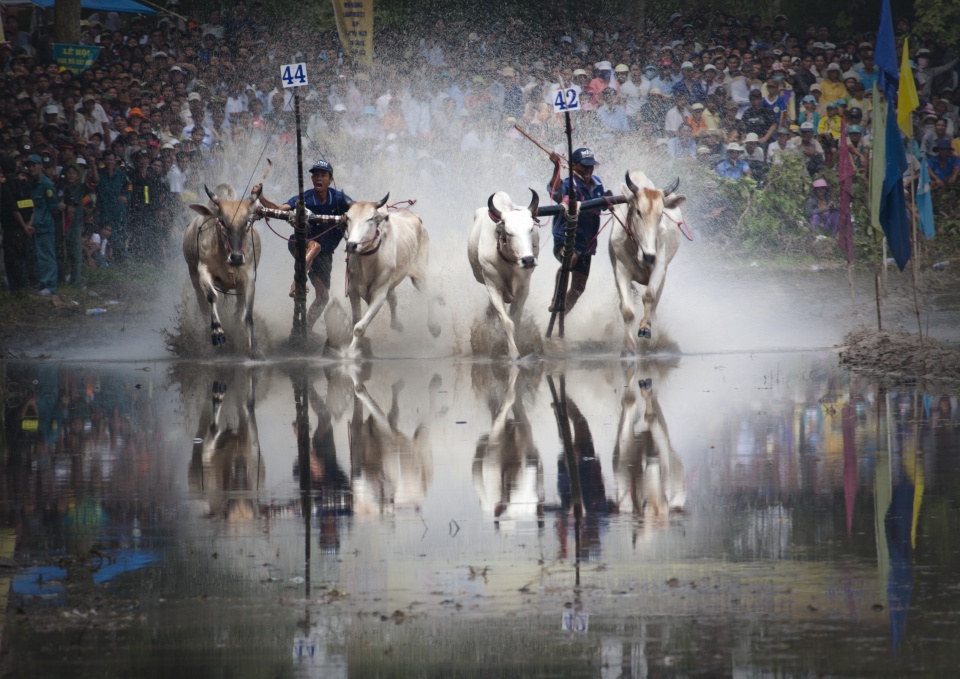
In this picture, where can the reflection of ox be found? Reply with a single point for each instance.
(507, 470)
(222, 250)
(648, 471)
(226, 461)
(503, 248)
(641, 251)
(389, 469)
(384, 247)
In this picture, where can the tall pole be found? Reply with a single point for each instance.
(560, 294)
(299, 332)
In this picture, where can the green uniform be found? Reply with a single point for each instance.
(45, 207)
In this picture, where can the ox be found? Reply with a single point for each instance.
(507, 470)
(389, 468)
(222, 250)
(384, 247)
(641, 251)
(503, 249)
(648, 471)
(226, 459)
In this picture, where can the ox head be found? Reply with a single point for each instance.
(234, 220)
(645, 209)
(363, 221)
(517, 230)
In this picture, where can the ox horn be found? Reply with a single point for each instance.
(383, 201)
(630, 185)
(213, 197)
(492, 209)
(673, 187)
(534, 203)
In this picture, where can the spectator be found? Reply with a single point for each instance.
(809, 148)
(776, 152)
(944, 167)
(821, 211)
(859, 149)
(676, 115)
(733, 167)
(832, 87)
(759, 119)
(696, 121)
(930, 139)
(612, 115)
(43, 222)
(683, 145)
(16, 214)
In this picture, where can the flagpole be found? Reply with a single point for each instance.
(916, 253)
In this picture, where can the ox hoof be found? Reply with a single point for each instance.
(644, 332)
(645, 384)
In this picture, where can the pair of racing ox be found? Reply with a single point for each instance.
(504, 246)
(384, 246)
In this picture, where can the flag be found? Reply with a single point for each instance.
(885, 54)
(907, 99)
(925, 200)
(846, 172)
(878, 161)
(893, 205)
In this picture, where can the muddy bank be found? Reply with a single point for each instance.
(899, 353)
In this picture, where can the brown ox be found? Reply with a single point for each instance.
(222, 250)
(383, 248)
(641, 251)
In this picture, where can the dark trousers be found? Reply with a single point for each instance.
(19, 259)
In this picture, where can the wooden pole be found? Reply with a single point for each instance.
(916, 298)
(560, 294)
(876, 281)
(883, 263)
(536, 143)
(299, 331)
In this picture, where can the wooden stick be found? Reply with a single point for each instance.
(538, 144)
(876, 282)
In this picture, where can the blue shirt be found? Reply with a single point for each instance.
(732, 170)
(678, 149)
(695, 92)
(588, 221)
(336, 204)
(46, 203)
(942, 171)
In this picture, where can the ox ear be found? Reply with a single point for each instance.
(202, 209)
(673, 200)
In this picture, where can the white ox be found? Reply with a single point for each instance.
(503, 249)
(222, 250)
(641, 251)
(384, 247)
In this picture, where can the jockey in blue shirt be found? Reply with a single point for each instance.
(323, 238)
(586, 186)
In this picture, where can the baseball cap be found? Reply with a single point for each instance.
(809, 99)
(854, 128)
(709, 67)
(751, 136)
(579, 71)
(735, 147)
(687, 65)
(321, 166)
(696, 107)
(583, 156)
(806, 126)
(833, 67)
(666, 62)
(784, 130)
(943, 144)
(817, 87)
(622, 68)
(52, 109)
(820, 184)
(855, 111)
(193, 96)
(33, 158)
(603, 66)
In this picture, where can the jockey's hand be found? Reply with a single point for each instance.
(555, 158)
(257, 188)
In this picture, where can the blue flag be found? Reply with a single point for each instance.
(885, 54)
(893, 205)
(925, 200)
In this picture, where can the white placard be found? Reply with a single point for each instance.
(566, 100)
(293, 75)
(578, 623)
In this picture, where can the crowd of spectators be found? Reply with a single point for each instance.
(175, 102)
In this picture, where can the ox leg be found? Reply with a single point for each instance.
(217, 336)
(217, 391)
(392, 303)
(421, 284)
(651, 296)
(245, 305)
(624, 283)
(361, 327)
(496, 301)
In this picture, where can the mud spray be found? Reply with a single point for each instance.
(708, 305)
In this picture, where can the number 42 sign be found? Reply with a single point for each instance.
(293, 75)
(566, 100)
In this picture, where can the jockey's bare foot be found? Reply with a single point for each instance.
(293, 289)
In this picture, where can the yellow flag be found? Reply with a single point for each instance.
(355, 26)
(907, 99)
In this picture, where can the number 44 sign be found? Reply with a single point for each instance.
(293, 75)
(566, 100)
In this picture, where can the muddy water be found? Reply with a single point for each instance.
(716, 515)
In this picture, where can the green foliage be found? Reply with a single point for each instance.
(938, 19)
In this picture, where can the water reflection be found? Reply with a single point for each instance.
(384, 502)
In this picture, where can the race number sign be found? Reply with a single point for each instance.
(293, 75)
(566, 100)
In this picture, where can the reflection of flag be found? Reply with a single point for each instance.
(878, 161)
(925, 200)
(907, 99)
(845, 232)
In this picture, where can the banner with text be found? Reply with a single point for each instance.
(77, 58)
(355, 26)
